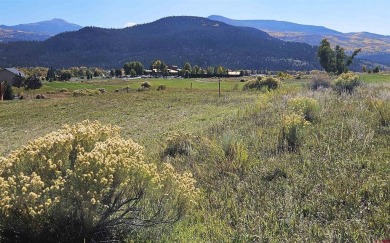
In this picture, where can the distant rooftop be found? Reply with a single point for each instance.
(15, 71)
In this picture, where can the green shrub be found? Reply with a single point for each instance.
(346, 82)
(85, 182)
(146, 84)
(161, 87)
(320, 80)
(304, 106)
(259, 83)
(64, 90)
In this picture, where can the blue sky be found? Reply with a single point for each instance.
(342, 15)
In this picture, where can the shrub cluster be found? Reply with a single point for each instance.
(268, 82)
(85, 182)
(320, 81)
(304, 106)
(346, 82)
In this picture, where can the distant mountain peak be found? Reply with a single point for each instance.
(55, 20)
(36, 31)
(58, 19)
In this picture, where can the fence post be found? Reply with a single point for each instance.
(219, 87)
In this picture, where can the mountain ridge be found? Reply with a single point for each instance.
(375, 47)
(274, 25)
(175, 40)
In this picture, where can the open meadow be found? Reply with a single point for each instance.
(292, 164)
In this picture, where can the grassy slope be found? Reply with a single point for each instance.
(335, 187)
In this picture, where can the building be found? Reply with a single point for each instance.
(8, 75)
(234, 73)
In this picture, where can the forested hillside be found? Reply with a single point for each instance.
(175, 40)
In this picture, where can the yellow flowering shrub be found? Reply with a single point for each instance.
(269, 82)
(346, 82)
(88, 180)
(292, 131)
(304, 106)
(382, 107)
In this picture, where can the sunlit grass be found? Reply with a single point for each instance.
(334, 186)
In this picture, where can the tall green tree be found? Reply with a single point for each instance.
(196, 69)
(8, 92)
(138, 67)
(18, 81)
(88, 74)
(32, 82)
(118, 72)
(51, 74)
(133, 73)
(327, 56)
(334, 61)
(65, 76)
(159, 65)
(210, 71)
(112, 72)
(340, 59)
(187, 67)
(220, 70)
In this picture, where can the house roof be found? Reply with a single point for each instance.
(15, 71)
(234, 73)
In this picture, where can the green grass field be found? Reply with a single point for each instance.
(144, 116)
(113, 84)
(264, 176)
